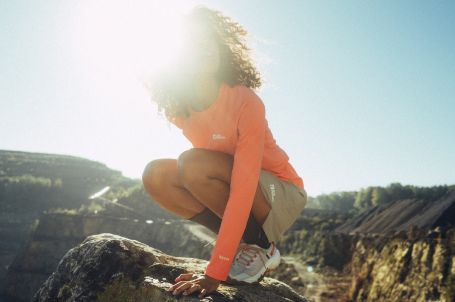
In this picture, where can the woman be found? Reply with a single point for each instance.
(236, 180)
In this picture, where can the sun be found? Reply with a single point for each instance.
(114, 44)
(131, 36)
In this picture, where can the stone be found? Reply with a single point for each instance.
(108, 267)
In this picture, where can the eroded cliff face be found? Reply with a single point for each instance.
(407, 267)
(412, 265)
(34, 182)
(107, 267)
(312, 239)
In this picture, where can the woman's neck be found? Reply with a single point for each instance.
(206, 92)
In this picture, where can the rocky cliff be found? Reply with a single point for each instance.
(33, 182)
(401, 251)
(414, 266)
(108, 267)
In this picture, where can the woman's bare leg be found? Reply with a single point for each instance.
(160, 179)
(198, 178)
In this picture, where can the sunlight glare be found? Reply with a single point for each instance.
(137, 36)
(116, 44)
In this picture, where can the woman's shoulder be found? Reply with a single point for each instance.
(242, 88)
(245, 94)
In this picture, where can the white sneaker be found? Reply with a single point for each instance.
(252, 262)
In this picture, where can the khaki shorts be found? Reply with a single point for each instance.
(287, 201)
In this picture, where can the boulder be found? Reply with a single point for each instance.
(108, 267)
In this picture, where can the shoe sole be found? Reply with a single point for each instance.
(231, 281)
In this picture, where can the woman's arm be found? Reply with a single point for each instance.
(244, 181)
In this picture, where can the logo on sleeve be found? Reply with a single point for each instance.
(218, 136)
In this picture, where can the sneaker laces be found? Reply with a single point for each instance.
(248, 253)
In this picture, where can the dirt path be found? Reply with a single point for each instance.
(314, 282)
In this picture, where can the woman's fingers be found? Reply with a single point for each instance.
(174, 286)
(182, 287)
(192, 289)
(203, 293)
(186, 276)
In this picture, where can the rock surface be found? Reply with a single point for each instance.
(56, 233)
(107, 267)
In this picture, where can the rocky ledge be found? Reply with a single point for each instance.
(107, 267)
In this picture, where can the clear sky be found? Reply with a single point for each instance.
(358, 93)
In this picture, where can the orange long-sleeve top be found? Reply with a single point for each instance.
(235, 123)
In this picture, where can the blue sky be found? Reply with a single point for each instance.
(358, 93)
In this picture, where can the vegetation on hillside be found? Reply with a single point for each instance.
(365, 198)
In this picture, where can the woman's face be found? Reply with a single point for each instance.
(201, 53)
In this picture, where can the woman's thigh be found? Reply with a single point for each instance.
(160, 180)
(197, 163)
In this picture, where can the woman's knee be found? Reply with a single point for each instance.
(154, 175)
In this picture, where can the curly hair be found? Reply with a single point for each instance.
(236, 67)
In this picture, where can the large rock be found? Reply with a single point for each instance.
(56, 233)
(107, 267)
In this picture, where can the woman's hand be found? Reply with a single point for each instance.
(190, 282)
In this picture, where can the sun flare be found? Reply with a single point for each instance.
(115, 44)
(138, 37)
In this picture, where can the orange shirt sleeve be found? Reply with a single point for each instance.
(244, 181)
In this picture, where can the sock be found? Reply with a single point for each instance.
(253, 234)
